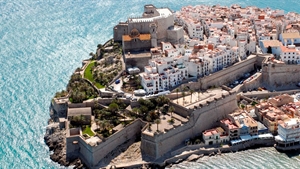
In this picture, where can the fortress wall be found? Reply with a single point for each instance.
(255, 83)
(91, 102)
(229, 74)
(267, 94)
(142, 27)
(200, 120)
(162, 25)
(200, 151)
(139, 62)
(167, 141)
(81, 149)
(60, 108)
(182, 111)
(277, 75)
(91, 155)
(207, 116)
(119, 31)
(224, 76)
(260, 59)
(129, 132)
(159, 144)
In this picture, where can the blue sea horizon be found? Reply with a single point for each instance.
(42, 42)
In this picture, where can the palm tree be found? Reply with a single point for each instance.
(97, 121)
(102, 125)
(171, 110)
(158, 100)
(177, 90)
(183, 95)
(191, 91)
(157, 121)
(135, 110)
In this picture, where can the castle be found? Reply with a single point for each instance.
(142, 33)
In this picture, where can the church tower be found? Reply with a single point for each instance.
(153, 33)
(279, 29)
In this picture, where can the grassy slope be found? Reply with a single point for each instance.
(88, 75)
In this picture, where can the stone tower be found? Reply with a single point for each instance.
(153, 33)
(279, 29)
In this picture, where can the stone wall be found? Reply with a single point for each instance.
(200, 119)
(225, 76)
(139, 61)
(182, 111)
(60, 106)
(266, 94)
(91, 103)
(120, 30)
(91, 155)
(280, 75)
(136, 45)
(200, 150)
(254, 83)
(162, 25)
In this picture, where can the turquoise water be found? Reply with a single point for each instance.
(43, 41)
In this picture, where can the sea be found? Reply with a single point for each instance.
(42, 42)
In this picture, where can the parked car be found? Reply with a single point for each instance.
(246, 75)
(117, 81)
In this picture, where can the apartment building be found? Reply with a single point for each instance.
(215, 136)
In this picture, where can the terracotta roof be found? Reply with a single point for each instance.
(126, 38)
(285, 49)
(271, 43)
(290, 35)
(141, 37)
(145, 37)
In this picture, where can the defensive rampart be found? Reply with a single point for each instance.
(225, 76)
(92, 154)
(155, 146)
(280, 74)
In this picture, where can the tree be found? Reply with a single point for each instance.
(158, 100)
(157, 122)
(171, 110)
(97, 121)
(242, 106)
(183, 96)
(177, 90)
(97, 113)
(99, 46)
(191, 91)
(113, 107)
(136, 110)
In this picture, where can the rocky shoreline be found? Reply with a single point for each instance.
(55, 139)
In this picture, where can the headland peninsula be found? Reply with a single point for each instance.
(171, 86)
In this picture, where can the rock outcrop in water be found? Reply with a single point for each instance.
(55, 139)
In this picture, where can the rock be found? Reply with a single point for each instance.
(192, 157)
(51, 147)
(211, 154)
(178, 161)
(54, 157)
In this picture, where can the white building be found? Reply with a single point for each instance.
(289, 132)
(215, 136)
(271, 46)
(290, 54)
(163, 73)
